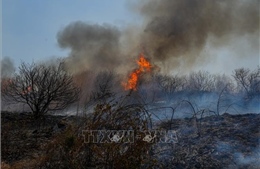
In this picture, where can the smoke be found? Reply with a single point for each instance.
(248, 160)
(92, 46)
(173, 33)
(180, 29)
(7, 67)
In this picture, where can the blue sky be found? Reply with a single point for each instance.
(29, 27)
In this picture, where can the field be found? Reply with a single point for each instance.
(226, 141)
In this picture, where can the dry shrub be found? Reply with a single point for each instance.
(68, 150)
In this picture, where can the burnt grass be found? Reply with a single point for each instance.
(226, 141)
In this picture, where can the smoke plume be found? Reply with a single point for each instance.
(7, 67)
(92, 46)
(181, 28)
(173, 31)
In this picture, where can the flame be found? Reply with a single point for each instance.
(143, 66)
(5, 82)
(27, 90)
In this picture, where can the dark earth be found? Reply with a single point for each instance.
(226, 141)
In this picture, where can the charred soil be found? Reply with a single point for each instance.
(226, 141)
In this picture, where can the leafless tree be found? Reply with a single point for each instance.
(42, 87)
(201, 81)
(170, 84)
(223, 81)
(103, 86)
(248, 80)
(102, 89)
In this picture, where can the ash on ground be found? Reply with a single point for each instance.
(226, 141)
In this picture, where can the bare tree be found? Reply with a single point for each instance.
(248, 81)
(170, 84)
(103, 86)
(42, 87)
(201, 81)
(102, 89)
(223, 81)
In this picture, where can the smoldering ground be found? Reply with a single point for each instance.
(172, 33)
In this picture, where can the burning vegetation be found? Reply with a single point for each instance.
(144, 66)
(92, 86)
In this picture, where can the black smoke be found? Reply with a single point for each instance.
(181, 28)
(92, 46)
(172, 31)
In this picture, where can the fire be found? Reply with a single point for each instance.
(27, 90)
(143, 66)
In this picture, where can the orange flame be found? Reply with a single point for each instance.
(27, 90)
(144, 66)
(5, 82)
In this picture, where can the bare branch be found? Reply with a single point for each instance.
(42, 87)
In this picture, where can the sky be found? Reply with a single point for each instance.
(30, 27)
